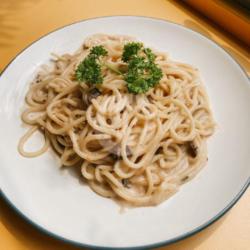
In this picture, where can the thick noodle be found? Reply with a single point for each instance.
(135, 148)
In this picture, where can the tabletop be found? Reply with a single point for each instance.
(24, 21)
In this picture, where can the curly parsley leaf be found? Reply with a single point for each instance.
(143, 73)
(130, 50)
(98, 51)
(89, 70)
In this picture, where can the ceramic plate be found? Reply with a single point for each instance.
(58, 203)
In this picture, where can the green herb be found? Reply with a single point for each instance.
(89, 70)
(130, 50)
(98, 51)
(151, 57)
(142, 72)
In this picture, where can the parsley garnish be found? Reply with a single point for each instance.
(142, 71)
(89, 70)
(131, 49)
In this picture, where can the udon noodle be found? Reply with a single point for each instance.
(134, 148)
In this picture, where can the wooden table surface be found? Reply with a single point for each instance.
(23, 21)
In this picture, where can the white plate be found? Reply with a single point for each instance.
(55, 200)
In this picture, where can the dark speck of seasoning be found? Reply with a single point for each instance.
(109, 121)
(159, 150)
(38, 78)
(192, 149)
(89, 95)
(125, 183)
(185, 178)
(93, 93)
(115, 157)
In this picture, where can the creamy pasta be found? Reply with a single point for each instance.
(136, 148)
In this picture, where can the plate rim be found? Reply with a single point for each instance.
(140, 247)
